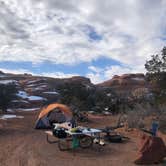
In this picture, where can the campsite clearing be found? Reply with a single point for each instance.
(22, 145)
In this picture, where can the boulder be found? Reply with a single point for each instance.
(152, 150)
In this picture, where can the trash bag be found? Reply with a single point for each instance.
(59, 133)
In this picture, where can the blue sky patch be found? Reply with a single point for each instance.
(48, 67)
(91, 32)
(93, 35)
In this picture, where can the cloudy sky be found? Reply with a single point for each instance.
(92, 38)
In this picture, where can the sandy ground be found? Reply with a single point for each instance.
(22, 145)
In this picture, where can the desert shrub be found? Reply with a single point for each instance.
(162, 123)
(161, 118)
(135, 117)
(84, 97)
(80, 116)
(135, 120)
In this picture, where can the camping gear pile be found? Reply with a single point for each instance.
(59, 119)
(71, 138)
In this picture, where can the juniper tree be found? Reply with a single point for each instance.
(7, 94)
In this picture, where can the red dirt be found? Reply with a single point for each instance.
(22, 145)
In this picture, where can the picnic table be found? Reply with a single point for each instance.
(83, 138)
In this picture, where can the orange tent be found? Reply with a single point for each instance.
(57, 113)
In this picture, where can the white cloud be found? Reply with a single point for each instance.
(53, 74)
(59, 75)
(53, 30)
(117, 70)
(98, 75)
(16, 71)
(95, 69)
(95, 77)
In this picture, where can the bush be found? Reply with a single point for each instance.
(135, 118)
(88, 97)
(142, 116)
(161, 118)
